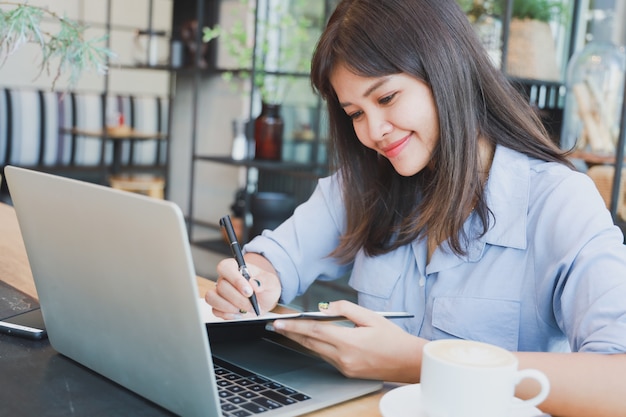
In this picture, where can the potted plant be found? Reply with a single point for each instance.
(282, 47)
(275, 51)
(67, 51)
(531, 48)
(541, 10)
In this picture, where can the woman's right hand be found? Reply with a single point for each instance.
(230, 296)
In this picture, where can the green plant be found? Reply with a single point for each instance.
(542, 10)
(283, 48)
(67, 50)
(474, 9)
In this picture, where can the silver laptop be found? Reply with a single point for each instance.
(118, 292)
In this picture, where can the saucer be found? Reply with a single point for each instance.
(406, 402)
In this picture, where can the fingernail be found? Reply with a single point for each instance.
(247, 291)
(323, 305)
(269, 327)
(279, 324)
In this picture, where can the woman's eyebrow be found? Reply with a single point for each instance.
(369, 91)
(375, 86)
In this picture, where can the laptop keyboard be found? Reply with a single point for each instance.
(243, 393)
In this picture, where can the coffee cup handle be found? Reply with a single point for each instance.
(543, 381)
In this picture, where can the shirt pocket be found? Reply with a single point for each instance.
(375, 278)
(486, 320)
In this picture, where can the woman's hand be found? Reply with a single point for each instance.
(230, 296)
(375, 348)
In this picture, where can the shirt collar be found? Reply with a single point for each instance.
(507, 195)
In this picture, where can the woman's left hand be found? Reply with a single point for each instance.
(375, 348)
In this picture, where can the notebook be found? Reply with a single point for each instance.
(118, 293)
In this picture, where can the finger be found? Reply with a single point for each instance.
(317, 336)
(229, 270)
(314, 330)
(227, 316)
(227, 299)
(360, 316)
(218, 304)
(266, 286)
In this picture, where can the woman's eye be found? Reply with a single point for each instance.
(387, 99)
(355, 115)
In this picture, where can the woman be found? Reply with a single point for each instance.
(449, 202)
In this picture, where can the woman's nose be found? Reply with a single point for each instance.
(379, 127)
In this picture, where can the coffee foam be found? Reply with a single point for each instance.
(471, 354)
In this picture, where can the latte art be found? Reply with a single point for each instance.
(473, 354)
(473, 379)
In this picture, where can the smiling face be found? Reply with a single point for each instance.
(394, 115)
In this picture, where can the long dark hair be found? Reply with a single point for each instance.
(433, 41)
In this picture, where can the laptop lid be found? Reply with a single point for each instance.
(117, 287)
(118, 292)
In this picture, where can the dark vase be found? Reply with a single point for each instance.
(269, 209)
(268, 133)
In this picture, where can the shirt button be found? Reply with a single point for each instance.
(422, 281)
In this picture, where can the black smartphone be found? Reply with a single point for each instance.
(28, 324)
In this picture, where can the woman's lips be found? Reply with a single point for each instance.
(396, 147)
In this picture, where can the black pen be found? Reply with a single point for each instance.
(236, 250)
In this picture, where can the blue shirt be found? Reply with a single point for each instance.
(549, 274)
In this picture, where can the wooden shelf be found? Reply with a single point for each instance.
(593, 158)
(293, 168)
(115, 133)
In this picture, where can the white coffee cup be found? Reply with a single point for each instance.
(462, 378)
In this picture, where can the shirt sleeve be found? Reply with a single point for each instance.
(299, 248)
(588, 295)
